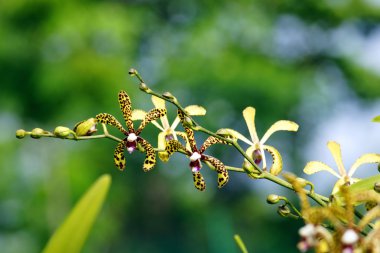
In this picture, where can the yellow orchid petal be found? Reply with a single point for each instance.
(281, 125)
(367, 158)
(234, 134)
(161, 143)
(249, 116)
(337, 186)
(334, 148)
(138, 114)
(276, 167)
(160, 103)
(376, 119)
(315, 166)
(195, 110)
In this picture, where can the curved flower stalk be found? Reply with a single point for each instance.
(168, 131)
(345, 236)
(132, 136)
(196, 156)
(257, 146)
(344, 177)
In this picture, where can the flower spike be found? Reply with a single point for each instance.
(132, 138)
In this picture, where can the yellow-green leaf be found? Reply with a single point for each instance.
(359, 187)
(72, 234)
(376, 119)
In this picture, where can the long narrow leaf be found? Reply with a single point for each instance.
(72, 234)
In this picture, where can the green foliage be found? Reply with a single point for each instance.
(72, 234)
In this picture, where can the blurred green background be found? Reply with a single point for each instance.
(65, 61)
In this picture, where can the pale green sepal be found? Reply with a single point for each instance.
(72, 233)
(376, 119)
(234, 134)
(316, 166)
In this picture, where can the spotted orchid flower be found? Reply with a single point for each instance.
(132, 136)
(197, 156)
(257, 146)
(168, 131)
(344, 177)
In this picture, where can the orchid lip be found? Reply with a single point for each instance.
(195, 156)
(132, 137)
(130, 150)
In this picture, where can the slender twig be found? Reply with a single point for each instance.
(240, 243)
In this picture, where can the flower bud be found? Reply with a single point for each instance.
(62, 132)
(284, 211)
(37, 133)
(20, 133)
(143, 87)
(85, 127)
(132, 72)
(376, 187)
(188, 122)
(170, 96)
(273, 199)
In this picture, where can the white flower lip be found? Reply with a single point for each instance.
(350, 237)
(307, 230)
(195, 156)
(132, 137)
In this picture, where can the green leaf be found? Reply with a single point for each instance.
(363, 185)
(376, 119)
(72, 234)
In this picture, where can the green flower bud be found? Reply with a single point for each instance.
(144, 87)
(20, 133)
(376, 187)
(132, 72)
(85, 127)
(273, 199)
(62, 132)
(284, 211)
(188, 122)
(170, 96)
(37, 133)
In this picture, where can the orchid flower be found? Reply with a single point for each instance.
(344, 177)
(196, 157)
(132, 136)
(257, 146)
(168, 131)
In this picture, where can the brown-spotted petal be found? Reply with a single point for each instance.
(219, 168)
(150, 157)
(118, 156)
(126, 109)
(209, 142)
(109, 119)
(173, 146)
(151, 116)
(199, 181)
